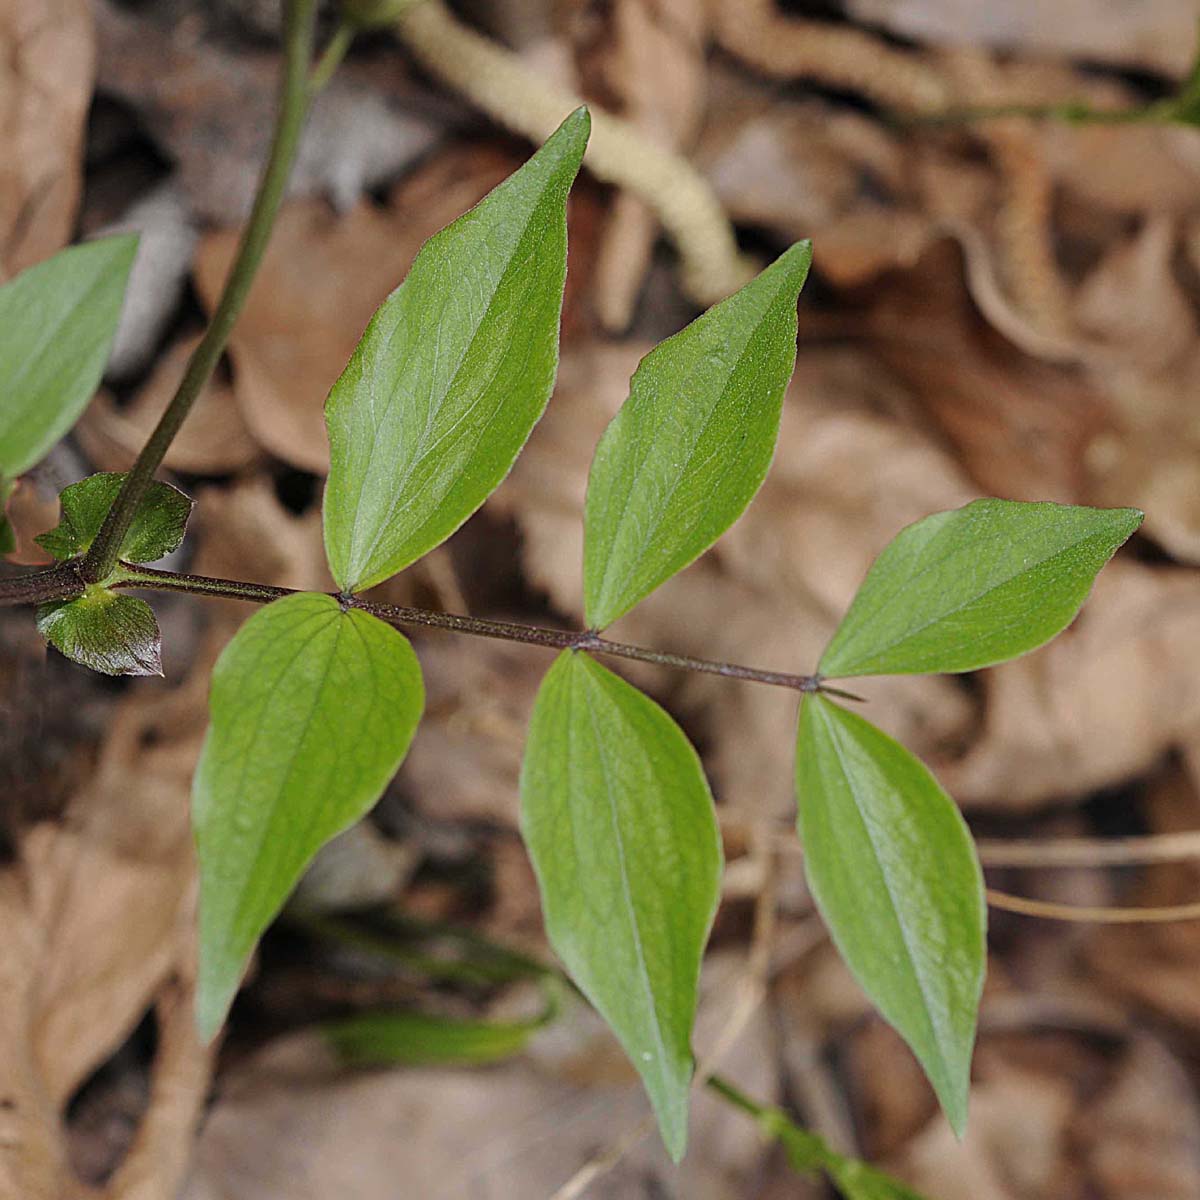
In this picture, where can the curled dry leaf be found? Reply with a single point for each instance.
(1020, 428)
(1132, 304)
(45, 91)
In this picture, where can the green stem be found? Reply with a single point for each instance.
(1074, 113)
(805, 1151)
(332, 56)
(295, 98)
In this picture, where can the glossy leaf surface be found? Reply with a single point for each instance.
(105, 631)
(312, 711)
(691, 445)
(619, 823)
(452, 374)
(57, 323)
(975, 586)
(893, 869)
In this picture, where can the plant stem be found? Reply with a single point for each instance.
(805, 1151)
(130, 576)
(1074, 113)
(295, 97)
(61, 582)
(331, 56)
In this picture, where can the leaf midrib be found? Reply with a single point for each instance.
(422, 452)
(915, 631)
(626, 889)
(260, 719)
(660, 511)
(834, 732)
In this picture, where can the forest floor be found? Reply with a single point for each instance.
(1003, 307)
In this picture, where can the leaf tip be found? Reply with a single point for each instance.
(573, 134)
(214, 996)
(1135, 517)
(954, 1105)
(121, 247)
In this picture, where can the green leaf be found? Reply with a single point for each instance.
(620, 827)
(57, 323)
(690, 447)
(893, 869)
(8, 535)
(106, 631)
(374, 1039)
(157, 528)
(312, 709)
(452, 374)
(975, 586)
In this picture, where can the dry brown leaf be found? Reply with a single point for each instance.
(32, 509)
(244, 532)
(546, 489)
(1019, 427)
(1156, 36)
(796, 168)
(656, 71)
(465, 760)
(289, 1119)
(1151, 455)
(99, 911)
(322, 278)
(47, 61)
(1099, 704)
(1013, 1145)
(1141, 1136)
(1132, 303)
(210, 108)
(1130, 169)
(213, 441)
